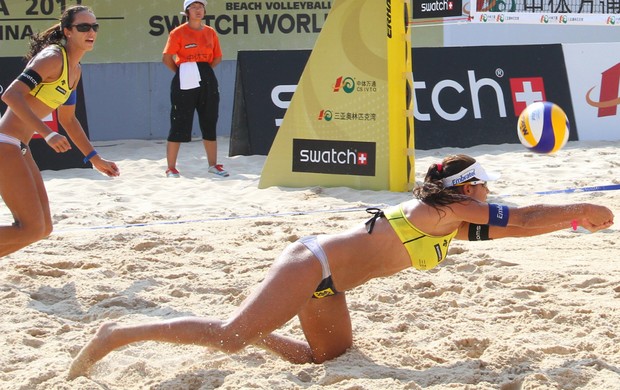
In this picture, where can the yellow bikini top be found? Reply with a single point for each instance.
(425, 251)
(55, 93)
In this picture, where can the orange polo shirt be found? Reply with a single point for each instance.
(190, 45)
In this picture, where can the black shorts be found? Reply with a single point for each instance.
(204, 99)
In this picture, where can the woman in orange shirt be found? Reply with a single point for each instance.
(194, 86)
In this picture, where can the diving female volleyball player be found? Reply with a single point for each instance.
(311, 276)
(48, 83)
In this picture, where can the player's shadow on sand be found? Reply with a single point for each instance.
(104, 305)
(355, 365)
(468, 372)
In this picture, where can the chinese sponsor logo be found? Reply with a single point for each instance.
(350, 85)
(329, 115)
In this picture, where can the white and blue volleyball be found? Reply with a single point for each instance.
(543, 127)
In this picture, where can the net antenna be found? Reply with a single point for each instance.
(546, 12)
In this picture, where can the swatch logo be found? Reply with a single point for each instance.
(346, 84)
(436, 8)
(334, 157)
(608, 99)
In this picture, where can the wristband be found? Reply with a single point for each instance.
(50, 136)
(574, 224)
(89, 156)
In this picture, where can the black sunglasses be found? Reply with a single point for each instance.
(85, 27)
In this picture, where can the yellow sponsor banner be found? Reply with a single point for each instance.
(136, 31)
(336, 131)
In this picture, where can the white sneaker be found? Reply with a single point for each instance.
(218, 169)
(172, 172)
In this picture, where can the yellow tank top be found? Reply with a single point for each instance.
(55, 93)
(425, 251)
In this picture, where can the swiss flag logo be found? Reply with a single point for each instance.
(362, 158)
(526, 91)
(51, 121)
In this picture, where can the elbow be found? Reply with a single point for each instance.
(63, 122)
(7, 97)
(167, 60)
(67, 124)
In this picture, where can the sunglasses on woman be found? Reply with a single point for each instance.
(86, 27)
(473, 183)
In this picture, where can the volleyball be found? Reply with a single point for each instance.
(543, 127)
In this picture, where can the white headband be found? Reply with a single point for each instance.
(474, 171)
(187, 3)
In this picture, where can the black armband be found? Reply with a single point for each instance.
(30, 77)
(478, 232)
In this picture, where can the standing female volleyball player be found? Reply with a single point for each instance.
(311, 276)
(48, 83)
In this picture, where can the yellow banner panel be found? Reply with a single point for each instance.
(136, 31)
(336, 129)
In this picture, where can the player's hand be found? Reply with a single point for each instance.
(598, 218)
(59, 143)
(106, 167)
(595, 228)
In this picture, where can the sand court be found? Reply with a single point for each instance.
(540, 312)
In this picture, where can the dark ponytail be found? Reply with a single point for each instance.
(55, 34)
(52, 36)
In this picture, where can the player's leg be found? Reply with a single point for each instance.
(23, 192)
(275, 301)
(327, 326)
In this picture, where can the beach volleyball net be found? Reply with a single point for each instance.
(560, 12)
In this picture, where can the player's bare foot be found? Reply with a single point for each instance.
(91, 353)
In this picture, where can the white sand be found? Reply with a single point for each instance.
(534, 313)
